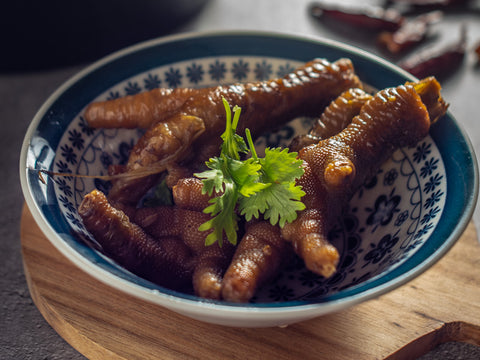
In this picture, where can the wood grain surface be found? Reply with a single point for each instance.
(441, 305)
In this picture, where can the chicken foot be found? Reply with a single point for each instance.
(336, 116)
(210, 261)
(166, 261)
(336, 167)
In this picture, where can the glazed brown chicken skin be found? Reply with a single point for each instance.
(161, 244)
(184, 125)
(167, 262)
(157, 150)
(336, 116)
(336, 167)
(210, 262)
(307, 90)
(258, 258)
(187, 194)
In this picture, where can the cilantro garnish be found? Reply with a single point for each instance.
(251, 187)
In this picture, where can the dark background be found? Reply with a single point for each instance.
(52, 33)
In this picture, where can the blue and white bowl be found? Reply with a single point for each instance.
(397, 225)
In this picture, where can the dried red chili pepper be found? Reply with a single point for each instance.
(410, 33)
(428, 2)
(437, 62)
(365, 16)
(477, 50)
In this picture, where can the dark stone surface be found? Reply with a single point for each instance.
(24, 334)
(453, 350)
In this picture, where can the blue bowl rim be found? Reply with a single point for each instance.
(421, 261)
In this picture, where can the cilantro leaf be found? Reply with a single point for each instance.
(279, 203)
(244, 173)
(280, 199)
(281, 165)
(212, 179)
(224, 218)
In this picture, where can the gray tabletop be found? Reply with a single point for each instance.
(28, 75)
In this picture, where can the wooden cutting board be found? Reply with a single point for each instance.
(441, 305)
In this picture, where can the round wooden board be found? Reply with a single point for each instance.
(103, 323)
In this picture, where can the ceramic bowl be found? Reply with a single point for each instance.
(397, 225)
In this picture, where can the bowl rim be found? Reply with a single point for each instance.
(241, 310)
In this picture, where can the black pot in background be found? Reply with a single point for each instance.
(36, 34)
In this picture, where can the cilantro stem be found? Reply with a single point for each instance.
(251, 146)
(228, 114)
(236, 116)
(233, 144)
